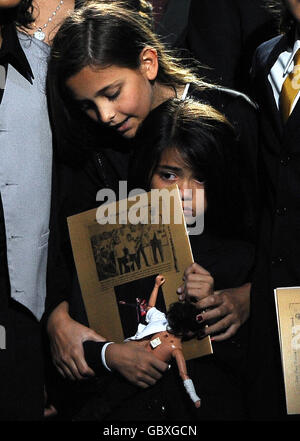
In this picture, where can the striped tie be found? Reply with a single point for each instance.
(290, 88)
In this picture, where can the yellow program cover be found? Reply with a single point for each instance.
(112, 259)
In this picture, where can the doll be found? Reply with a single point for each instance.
(164, 341)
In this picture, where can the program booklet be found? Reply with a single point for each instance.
(288, 318)
(119, 248)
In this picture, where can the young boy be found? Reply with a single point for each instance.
(279, 253)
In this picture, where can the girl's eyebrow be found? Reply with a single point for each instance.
(170, 167)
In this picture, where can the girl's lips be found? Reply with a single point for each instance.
(124, 126)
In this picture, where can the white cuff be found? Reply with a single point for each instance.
(103, 354)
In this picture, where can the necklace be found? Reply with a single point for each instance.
(39, 33)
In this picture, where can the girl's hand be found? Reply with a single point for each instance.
(198, 284)
(66, 338)
(223, 312)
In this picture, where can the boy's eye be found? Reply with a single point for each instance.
(168, 176)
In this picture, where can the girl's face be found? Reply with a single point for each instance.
(118, 97)
(172, 170)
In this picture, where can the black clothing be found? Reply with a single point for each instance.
(278, 252)
(172, 22)
(241, 112)
(223, 35)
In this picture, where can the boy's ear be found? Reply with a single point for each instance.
(149, 63)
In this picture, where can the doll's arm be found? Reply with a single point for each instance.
(188, 383)
(160, 280)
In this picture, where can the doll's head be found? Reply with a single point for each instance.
(182, 320)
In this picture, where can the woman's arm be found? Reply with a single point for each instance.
(66, 338)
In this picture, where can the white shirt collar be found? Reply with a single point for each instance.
(291, 57)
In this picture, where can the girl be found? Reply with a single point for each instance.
(196, 151)
(107, 72)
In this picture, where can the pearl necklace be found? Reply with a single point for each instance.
(39, 33)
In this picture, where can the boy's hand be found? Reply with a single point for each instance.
(135, 363)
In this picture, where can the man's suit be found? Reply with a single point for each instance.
(278, 258)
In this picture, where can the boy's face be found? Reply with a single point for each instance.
(294, 8)
(172, 170)
(9, 3)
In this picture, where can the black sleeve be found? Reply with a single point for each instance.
(73, 191)
(244, 117)
(92, 354)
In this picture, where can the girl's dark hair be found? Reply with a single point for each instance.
(21, 14)
(182, 321)
(102, 34)
(285, 20)
(206, 142)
